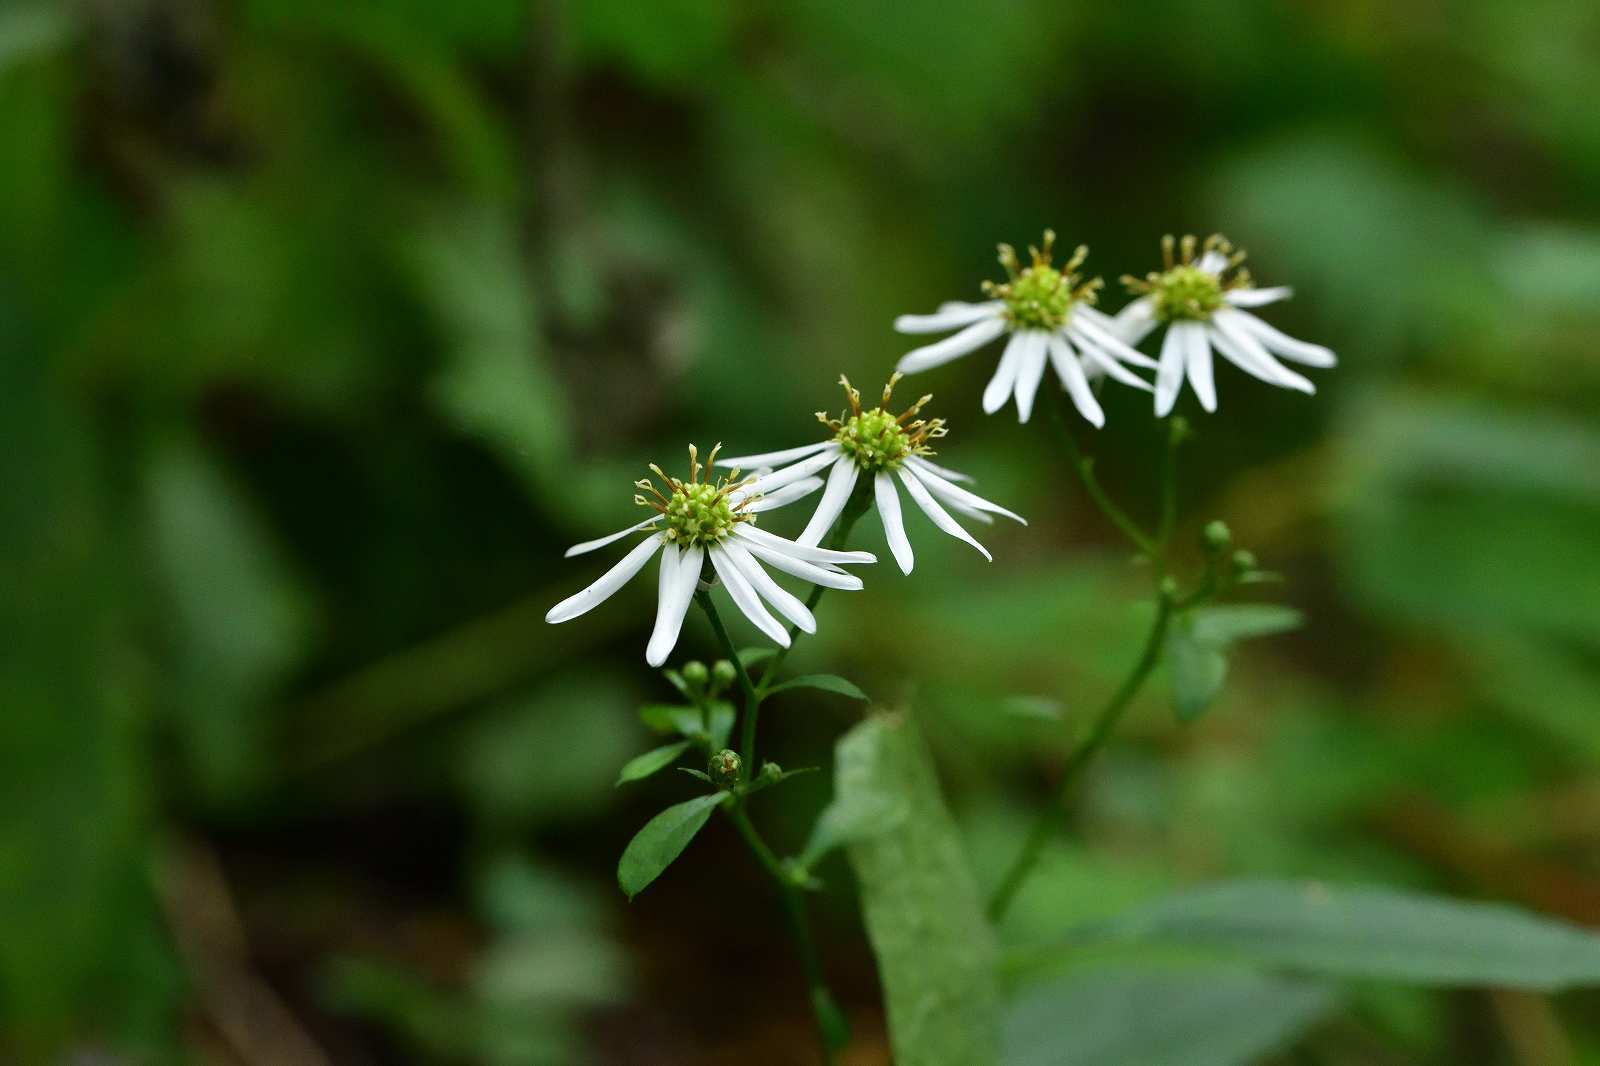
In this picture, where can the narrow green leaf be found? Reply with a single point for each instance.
(748, 657)
(676, 680)
(1227, 623)
(642, 766)
(1364, 932)
(662, 840)
(1201, 1017)
(936, 951)
(863, 804)
(698, 775)
(722, 715)
(1196, 668)
(667, 718)
(825, 682)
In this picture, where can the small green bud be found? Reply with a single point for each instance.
(771, 770)
(694, 672)
(1243, 562)
(725, 767)
(722, 674)
(1169, 587)
(1216, 537)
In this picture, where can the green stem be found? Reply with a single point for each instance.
(1104, 725)
(1084, 466)
(853, 510)
(752, 697)
(1177, 430)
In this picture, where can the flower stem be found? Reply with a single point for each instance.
(1078, 762)
(1084, 467)
(752, 697)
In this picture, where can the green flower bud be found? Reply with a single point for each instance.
(1216, 537)
(726, 768)
(1169, 587)
(722, 674)
(771, 770)
(1243, 562)
(695, 673)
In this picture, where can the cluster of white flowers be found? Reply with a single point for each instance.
(1200, 295)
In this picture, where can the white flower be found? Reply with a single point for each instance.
(699, 520)
(883, 446)
(1050, 318)
(1202, 304)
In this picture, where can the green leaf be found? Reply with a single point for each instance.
(748, 657)
(1182, 1018)
(935, 950)
(662, 840)
(1226, 623)
(642, 766)
(1373, 933)
(825, 682)
(1196, 668)
(669, 718)
(676, 680)
(722, 716)
(863, 804)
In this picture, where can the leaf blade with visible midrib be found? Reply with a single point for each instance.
(826, 682)
(1365, 932)
(661, 841)
(642, 766)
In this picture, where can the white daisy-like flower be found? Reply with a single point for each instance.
(882, 446)
(698, 520)
(1202, 303)
(1050, 317)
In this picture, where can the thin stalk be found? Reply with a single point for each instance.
(1084, 466)
(1177, 430)
(1104, 725)
(752, 698)
(853, 510)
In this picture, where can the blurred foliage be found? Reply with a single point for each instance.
(325, 327)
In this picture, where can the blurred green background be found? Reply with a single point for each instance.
(324, 328)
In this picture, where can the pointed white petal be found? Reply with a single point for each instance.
(894, 529)
(788, 455)
(1030, 371)
(680, 572)
(955, 494)
(808, 552)
(789, 493)
(1257, 297)
(745, 598)
(781, 598)
(967, 512)
(1096, 362)
(1212, 261)
(1245, 352)
(817, 575)
(1169, 378)
(944, 471)
(609, 582)
(841, 481)
(1065, 360)
(1004, 382)
(1087, 333)
(974, 336)
(941, 518)
(591, 545)
(948, 317)
(1197, 363)
(1135, 321)
(1275, 340)
(779, 478)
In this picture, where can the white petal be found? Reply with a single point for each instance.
(779, 478)
(1197, 363)
(941, 518)
(609, 582)
(1212, 261)
(955, 494)
(948, 317)
(745, 598)
(680, 572)
(786, 603)
(1257, 297)
(931, 355)
(968, 512)
(1065, 360)
(1245, 352)
(1004, 382)
(789, 493)
(1135, 321)
(944, 471)
(1096, 362)
(841, 481)
(788, 455)
(1276, 340)
(810, 553)
(1030, 371)
(894, 529)
(811, 572)
(1169, 378)
(591, 545)
(1090, 334)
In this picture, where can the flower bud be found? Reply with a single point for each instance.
(725, 768)
(770, 770)
(1216, 537)
(723, 674)
(694, 672)
(1243, 562)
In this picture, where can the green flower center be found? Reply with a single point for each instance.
(1186, 292)
(698, 514)
(1040, 297)
(875, 440)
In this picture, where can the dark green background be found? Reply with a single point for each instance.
(324, 328)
